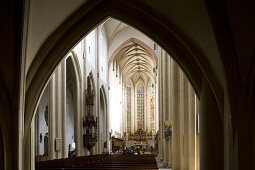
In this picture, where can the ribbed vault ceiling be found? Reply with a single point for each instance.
(135, 62)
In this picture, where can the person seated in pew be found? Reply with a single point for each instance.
(125, 152)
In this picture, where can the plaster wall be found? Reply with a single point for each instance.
(102, 54)
(91, 48)
(115, 100)
(69, 119)
(44, 18)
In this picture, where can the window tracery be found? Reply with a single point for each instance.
(129, 108)
(152, 107)
(140, 107)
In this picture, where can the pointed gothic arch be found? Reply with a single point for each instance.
(103, 116)
(74, 67)
(190, 58)
(168, 36)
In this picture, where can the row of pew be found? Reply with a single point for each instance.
(100, 162)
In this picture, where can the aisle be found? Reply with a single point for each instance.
(160, 164)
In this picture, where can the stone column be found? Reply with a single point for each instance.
(29, 148)
(32, 159)
(58, 107)
(197, 137)
(107, 124)
(63, 108)
(78, 111)
(175, 90)
(160, 141)
(187, 124)
(169, 110)
(165, 105)
(191, 127)
(97, 93)
(182, 120)
(51, 139)
(211, 131)
(57, 111)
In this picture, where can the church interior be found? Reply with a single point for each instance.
(112, 84)
(136, 100)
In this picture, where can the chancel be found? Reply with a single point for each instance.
(112, 84)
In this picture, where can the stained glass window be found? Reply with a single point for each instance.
(128, 108)
(152, 107)
(140, 107)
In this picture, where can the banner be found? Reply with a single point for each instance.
(168, 129)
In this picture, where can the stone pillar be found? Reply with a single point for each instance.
(187, 124)
(197, 137)
(165, 105)
(191, 127)
(63, 108)
(51, 139)
(175, 90)
(78, 119)
(182, 120)
(32, 140)
(107, 125)
(97, 93)
(57, 111)
(58, 122)
(29, 148)
(211, 131)
(169, 109)
(160, 142)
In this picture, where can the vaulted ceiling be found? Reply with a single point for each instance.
(113, 27)
(135, 63)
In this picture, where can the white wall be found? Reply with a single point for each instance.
(103, 54)
(91, 48)
(115, 97)
(69, 118)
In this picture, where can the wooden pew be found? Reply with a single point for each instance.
(101, 162)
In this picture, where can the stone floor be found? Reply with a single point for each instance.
(160, 165)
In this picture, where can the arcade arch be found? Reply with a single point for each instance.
(186, 57)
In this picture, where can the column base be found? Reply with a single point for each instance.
(169, 164)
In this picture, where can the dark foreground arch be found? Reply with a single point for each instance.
(168, 36)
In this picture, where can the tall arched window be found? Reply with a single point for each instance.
(129, 108)
(152, 107)
(140, 107)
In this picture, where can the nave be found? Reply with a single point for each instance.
(212, 41)
(116, 92)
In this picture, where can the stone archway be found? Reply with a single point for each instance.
(189, 57)
(103, 124)
(76, 74)
(181, 48)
